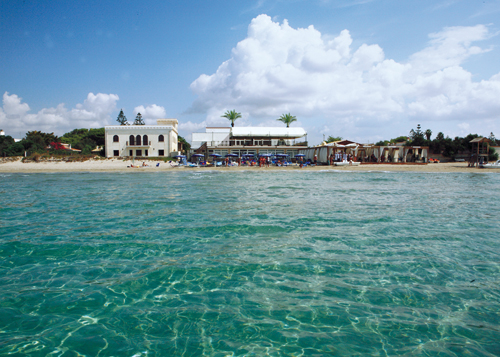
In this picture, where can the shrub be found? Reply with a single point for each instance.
(493, 155)
(16, 149)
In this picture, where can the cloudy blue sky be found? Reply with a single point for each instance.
(361, 69)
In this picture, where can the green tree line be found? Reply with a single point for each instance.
(85, 140)
(445, 146)
(35, 141)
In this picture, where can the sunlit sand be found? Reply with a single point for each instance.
(108, 165)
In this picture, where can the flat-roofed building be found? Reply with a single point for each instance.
(142, 140)
(213, 136)
(249, 140)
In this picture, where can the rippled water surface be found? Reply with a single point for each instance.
(294, 263)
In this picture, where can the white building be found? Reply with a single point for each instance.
(213, 136)
(142, 140)
(249, 140)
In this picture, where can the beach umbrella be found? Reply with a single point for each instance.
(180, 157)
(246, 157)
(214, 158)
(229, 156)
(198, 157)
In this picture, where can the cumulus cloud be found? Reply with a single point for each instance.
(449, 48)
(326, 82)
(94, 112)
(151, 113)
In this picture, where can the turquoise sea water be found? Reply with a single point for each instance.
(295, 263)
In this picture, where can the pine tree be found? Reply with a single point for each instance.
(138, 120)
(417, 136)
(493, 139)
(122, 119)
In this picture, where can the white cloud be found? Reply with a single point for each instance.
(93, 113)
(326, 83)
(449, 48)
(150, 113)
(191, 127)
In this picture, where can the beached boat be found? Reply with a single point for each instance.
(347, 163)
(495, 165)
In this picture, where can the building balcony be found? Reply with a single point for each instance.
(142, 145)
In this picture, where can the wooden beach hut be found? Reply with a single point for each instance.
(480, 151)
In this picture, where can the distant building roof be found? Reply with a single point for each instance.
(480, 140)
(340, 143)
(274, 132)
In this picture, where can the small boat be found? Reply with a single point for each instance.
(495, 165)
(347, 163)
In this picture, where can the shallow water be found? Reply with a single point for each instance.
(187, 263)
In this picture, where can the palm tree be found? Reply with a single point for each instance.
(287, 119)
(231, 115)
(428, 134)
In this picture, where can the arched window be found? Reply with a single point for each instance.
(161, 138)
(145, 140)
(138, 140)
(116, 139)
(131, 140)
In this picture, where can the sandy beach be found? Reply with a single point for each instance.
(111, 165)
